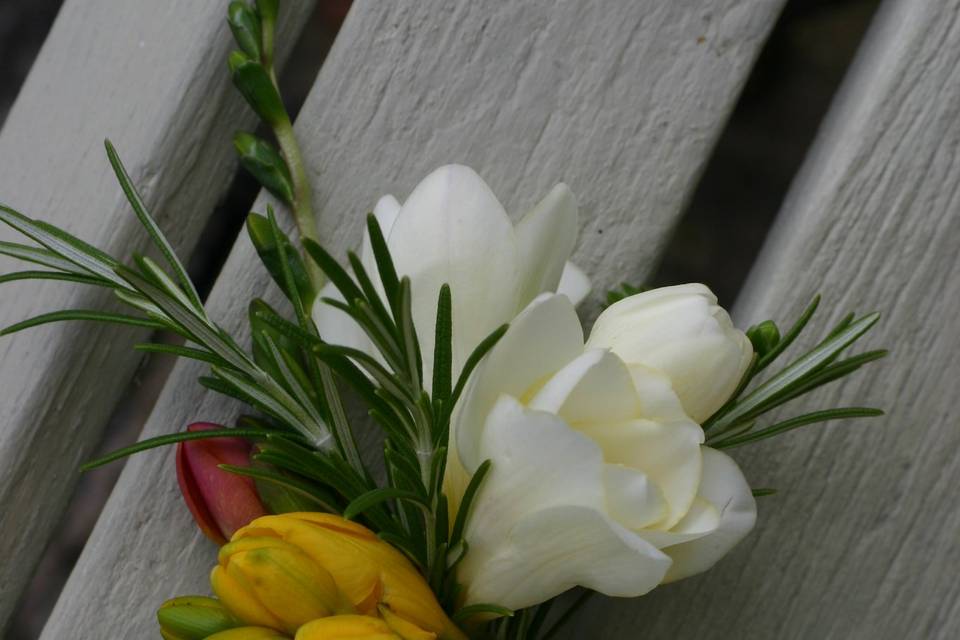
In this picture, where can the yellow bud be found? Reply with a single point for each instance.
(367, 570)
(249, 633)
(268, 582)
(351, 627)
(403, 628)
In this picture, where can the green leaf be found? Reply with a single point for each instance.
(55, 275)
(482, 349)
(377, 496)
(264, 163)
(245, 25)
(443, 347)
(760, 493)
(799, 421)
(171, 438)
(255, 84)
(796, 373)
(385, 266)
(315, 495)
(181, 352)
(43, 257)
(625, 291)
(82, 314)
(64, 245)
(140, 209)
(332, 269)
(463, 513)
(486, 610)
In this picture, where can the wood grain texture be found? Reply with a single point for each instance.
(622, 100)
(152, 77)
(863, 541)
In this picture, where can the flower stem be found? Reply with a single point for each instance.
(302, 204)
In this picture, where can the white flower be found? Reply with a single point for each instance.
(683, 333)
(598, 477)
(452, 229)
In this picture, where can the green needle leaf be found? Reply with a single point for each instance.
(83, 314)
(481, 609)
(799, 421)
(789, 337)
(378, 496)
(173, 438)
(140, 209)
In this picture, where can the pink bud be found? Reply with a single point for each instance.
(221, 502)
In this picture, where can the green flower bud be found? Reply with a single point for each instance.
(764, 337)
(245, 25)
(193, 618)
(265, 163)
(253, 81)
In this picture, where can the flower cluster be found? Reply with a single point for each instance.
(309, 576)
(520, 457)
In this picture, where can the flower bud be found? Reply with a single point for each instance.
(764, 337)
(373, 575)
(682, 332)
(265, 581)
(245, 25)
(193, 618)
(221, 502)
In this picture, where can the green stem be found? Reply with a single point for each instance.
(302, 204)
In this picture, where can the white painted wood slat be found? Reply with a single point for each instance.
(863, 541)
(623, 100)
(150, 76)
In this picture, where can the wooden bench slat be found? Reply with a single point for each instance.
(862, 540)
(152, 77)
(627, 103)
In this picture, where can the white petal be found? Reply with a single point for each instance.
(681, 331)
(725, 487)
(632, 500)
(574, 283)
(542, 339)
(538, 525)
(668, 453)
(335, 326)
(595, 387)
(545, 239)
(702, 519)
(453, 230)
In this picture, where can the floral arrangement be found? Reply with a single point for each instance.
(520, 459)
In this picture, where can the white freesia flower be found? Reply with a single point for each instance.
(452, 229)
(682, 332)
(598, 476)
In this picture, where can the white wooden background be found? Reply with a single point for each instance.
(625, 100)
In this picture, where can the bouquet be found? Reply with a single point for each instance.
(522, 465)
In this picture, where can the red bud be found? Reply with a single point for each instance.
(221, 502)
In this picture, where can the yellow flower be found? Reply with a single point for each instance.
(268, 582)
(354, 627)
(374, 576)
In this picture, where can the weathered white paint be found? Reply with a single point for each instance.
(863, 540)
(152, 77)
(623, 100)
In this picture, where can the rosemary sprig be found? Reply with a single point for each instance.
(736, 423)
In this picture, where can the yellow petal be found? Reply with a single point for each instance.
(346, 627)
(249, 633)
